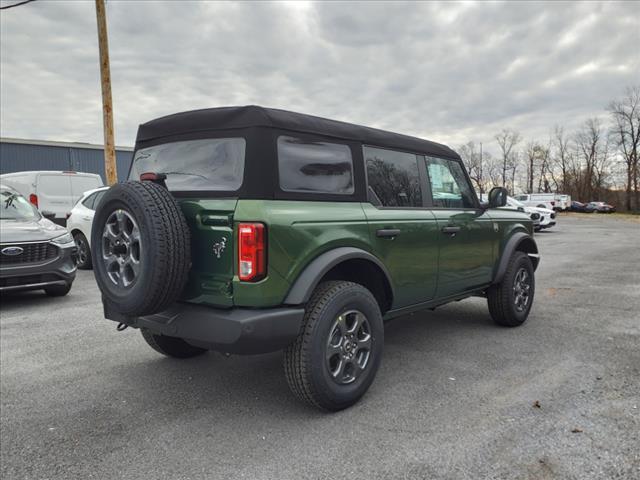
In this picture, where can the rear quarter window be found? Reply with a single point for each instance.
(314, 166)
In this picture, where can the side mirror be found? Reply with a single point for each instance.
(521, 209)
(498, 197)
(48, 215)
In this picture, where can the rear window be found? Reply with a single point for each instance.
(211, 164)
(314, 167)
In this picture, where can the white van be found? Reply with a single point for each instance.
(563, 202)
(52, 191)
(539, 200)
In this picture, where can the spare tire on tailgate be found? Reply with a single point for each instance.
(140, 247)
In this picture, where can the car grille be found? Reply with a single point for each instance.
(553, 215)
(31, 253)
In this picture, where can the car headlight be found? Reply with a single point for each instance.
(63, 240)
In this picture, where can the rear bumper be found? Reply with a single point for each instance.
(35, 276)
(236, 330)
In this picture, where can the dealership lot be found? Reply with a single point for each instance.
(456, 396)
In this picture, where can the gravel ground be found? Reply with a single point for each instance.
(456, 397)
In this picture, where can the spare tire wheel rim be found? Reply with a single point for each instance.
(121, 248)
(349, 347)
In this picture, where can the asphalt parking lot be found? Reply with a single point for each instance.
(456, 397)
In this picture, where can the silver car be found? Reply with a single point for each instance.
(35, 253)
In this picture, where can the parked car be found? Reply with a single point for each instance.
(52, 191)
(601, 207)
(547, 217)
(580, 207)
(563, 202)
(79, 222)
(541, 200)
(35, 253)
(249, 230)
(514, 204)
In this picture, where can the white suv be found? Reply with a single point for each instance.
(79, 223)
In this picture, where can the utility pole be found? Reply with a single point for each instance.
(481, 173)
(107, 106)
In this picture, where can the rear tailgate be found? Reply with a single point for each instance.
(211, 225)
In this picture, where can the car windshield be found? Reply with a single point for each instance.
(14, 206)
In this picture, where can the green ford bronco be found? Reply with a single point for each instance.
(249, 230)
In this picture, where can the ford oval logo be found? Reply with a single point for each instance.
(13, 251)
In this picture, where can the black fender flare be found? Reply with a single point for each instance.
(303, 287)
(516, 240)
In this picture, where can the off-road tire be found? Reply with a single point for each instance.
(165, 252)
(57, 290)
(501, 297)
(304, 360)
(171, 346)
(81, 242)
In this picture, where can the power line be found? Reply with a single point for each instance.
(17, 4)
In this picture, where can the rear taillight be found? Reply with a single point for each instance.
(33, 198)
(252, 251)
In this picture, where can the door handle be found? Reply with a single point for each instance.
(387, 232)
(450, 230)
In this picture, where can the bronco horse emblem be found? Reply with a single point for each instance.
(218, 247)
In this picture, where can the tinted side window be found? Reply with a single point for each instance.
(89, 201)
(393, 177)
(309, 166)
(449, 186)
(99, 196)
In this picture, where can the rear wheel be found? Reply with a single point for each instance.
(336, 356)
(171, 346)
(510, 300)
(84, 252)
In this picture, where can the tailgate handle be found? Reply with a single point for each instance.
(450, 230)
(387, 232)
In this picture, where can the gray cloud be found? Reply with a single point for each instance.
(450, 72)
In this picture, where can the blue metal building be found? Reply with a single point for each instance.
(18, 155)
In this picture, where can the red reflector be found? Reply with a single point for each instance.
(33, 198)
(148, 176)
(251, 252)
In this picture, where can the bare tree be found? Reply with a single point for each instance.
(473, 161)
(531, 153)
(562, 158)
(626, 129)
(507, 140)
(592, 147)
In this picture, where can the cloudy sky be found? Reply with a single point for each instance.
(450, 72)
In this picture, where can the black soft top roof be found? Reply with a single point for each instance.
(227, 118)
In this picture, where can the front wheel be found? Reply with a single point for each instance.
(334, 359)
(84, 252)
(510, 300)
